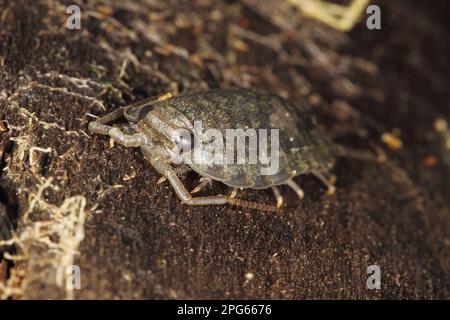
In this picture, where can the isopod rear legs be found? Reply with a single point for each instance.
(233, 193)
(278, 196)
(294, 186)
(327, 182)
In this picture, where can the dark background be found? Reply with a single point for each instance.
(139, 240)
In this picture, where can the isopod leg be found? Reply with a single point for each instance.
(278, 196)
(331, 188)
(180, 171)
(294, 186)
(203, 182)
(233, 193)
(186, 197)
(166, 170)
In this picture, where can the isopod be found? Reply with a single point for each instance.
(156, 124)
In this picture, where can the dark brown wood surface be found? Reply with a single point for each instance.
(139, 240)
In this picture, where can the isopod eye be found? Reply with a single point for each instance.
(184, 140)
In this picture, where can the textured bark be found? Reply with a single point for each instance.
(139, 240)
